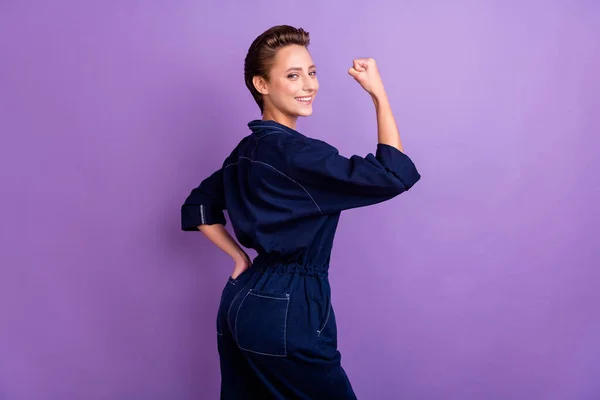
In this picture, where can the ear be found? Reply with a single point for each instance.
(260, 84)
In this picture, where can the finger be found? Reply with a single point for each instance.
(359, 65)
(353, 73)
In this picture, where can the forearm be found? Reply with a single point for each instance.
(223, 240)
(387, 131)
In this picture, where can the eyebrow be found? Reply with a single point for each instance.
(299, 68)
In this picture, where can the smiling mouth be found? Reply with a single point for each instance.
(306, 99)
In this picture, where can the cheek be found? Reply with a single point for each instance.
(292, 89)
(286, 93)
(282, 91)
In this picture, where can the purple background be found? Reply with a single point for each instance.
(480, 283)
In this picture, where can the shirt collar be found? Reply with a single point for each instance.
(261, 128)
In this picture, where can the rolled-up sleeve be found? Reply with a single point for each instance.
(205, 204)
(339, 183)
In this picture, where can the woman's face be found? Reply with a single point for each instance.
(292, 84)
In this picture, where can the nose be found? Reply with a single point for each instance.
(310, 86)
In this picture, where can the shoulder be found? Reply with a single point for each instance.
(308, 153)
(237, 151)
(305, 144)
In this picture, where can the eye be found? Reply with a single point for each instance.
(314, 73)
(292, 75)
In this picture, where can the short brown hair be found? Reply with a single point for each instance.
(261, 55)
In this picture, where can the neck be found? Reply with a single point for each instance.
(278, 116)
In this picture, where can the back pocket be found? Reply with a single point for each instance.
(261, 323)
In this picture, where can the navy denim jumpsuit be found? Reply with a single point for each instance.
(284, 193)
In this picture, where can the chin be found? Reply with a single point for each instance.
(305, 113)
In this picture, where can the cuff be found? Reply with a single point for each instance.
(398, 163)
(193, 215)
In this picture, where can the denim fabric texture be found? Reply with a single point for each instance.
(284, 193)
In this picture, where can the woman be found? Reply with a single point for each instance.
(284, 193)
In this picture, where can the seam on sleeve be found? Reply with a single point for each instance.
(229, 165)
(267, 134)
(255, 146)
(276, 170)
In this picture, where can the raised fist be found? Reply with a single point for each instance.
(365, 71)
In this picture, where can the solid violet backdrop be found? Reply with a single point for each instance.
(479, 283)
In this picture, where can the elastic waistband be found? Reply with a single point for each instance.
(290, 267)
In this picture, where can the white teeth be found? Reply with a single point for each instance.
(304, 98)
